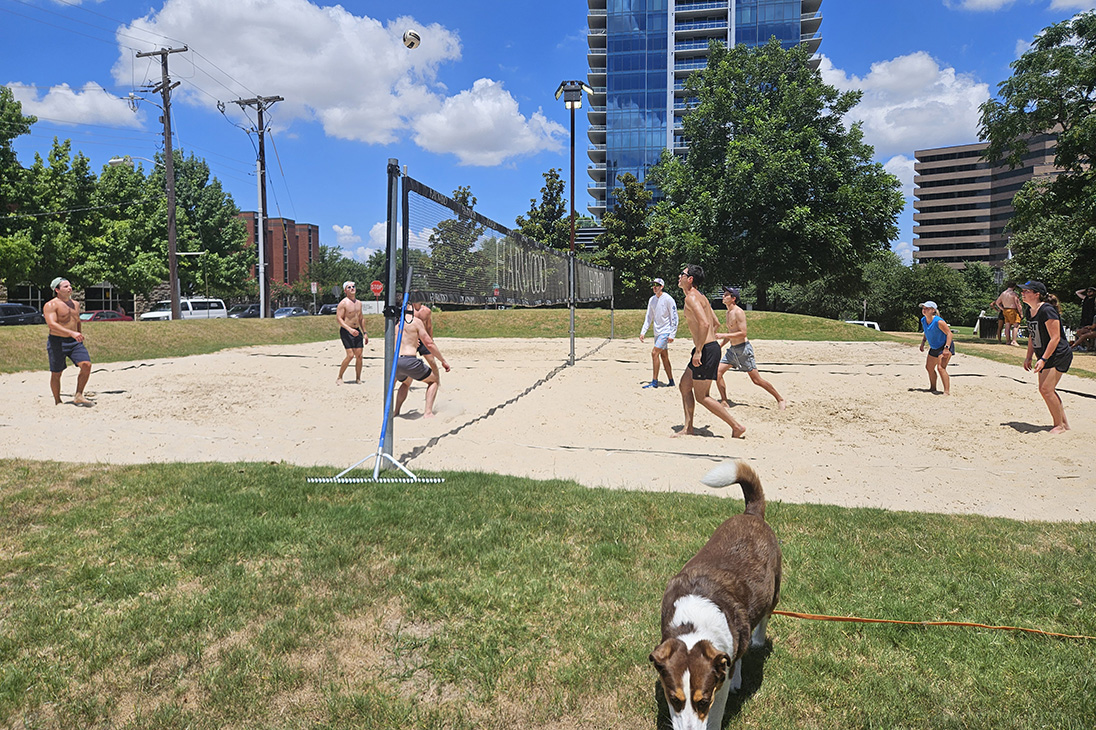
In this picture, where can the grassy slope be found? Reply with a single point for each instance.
(238, 595)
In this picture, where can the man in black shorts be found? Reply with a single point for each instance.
(66, 341)
(351, 332)
(704, 365)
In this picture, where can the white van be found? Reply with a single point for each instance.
(196, 308)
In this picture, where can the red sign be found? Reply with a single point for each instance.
(376, 287)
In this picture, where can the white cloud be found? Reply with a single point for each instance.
(902, 168)
(351, 74)
(92, 104)
(911, 102)
(904, 249)
(1073, 5)
(483, 126)
(977, 4)
(345, 236)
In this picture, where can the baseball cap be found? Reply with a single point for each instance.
(347, 285)
(929, 304)
(1091, 289)
(56, 282)
(660, 282)
(1035, 286)
(732, 290)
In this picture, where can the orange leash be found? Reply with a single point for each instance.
(854, 619)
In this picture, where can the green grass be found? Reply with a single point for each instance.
(23, 348)
(238, 595)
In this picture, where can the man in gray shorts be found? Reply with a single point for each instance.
(740, 354)
(409, 367)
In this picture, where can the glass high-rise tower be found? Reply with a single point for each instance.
(641, 52)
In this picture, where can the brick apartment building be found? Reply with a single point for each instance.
(290, 246)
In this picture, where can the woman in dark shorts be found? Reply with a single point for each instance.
(1045, 340)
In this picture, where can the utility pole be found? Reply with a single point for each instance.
(164, 87)
(261, 104)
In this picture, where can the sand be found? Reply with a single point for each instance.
(860, 429)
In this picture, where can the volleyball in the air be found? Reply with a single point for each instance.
(411, 38)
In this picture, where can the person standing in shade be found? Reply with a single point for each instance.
(937, 334)
(424, 315)
(1087, 330)
(740, 354)
(698, 376)
(66, 340)
(1045, 340)
(1008, 304)
(351, 331)
(662, 314)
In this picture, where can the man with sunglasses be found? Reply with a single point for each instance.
(351, 331)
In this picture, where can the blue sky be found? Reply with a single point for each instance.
(473, 105)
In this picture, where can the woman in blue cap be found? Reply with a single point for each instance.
(1045, 340)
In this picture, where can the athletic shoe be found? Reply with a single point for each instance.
(670, 384)
(652, 384)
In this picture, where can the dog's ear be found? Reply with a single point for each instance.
(720, 666)
(661, 655)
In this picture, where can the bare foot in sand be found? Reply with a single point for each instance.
(781, 405)
(739, 433)
(1060, 429)
(80, 400)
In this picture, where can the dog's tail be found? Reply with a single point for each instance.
(739, 472)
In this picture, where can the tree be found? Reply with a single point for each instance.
(634, 243)
(205, 220)
(13, 124)
(774, 185)
(454, 267)
(1051, 90)
(548, 221)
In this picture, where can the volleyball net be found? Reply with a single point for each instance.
(459, 256)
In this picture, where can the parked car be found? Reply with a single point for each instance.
(328, 309)
(104, 315)
(196, 308)
(864, 323)
(244, 311)
(284, 312)
(20, 314)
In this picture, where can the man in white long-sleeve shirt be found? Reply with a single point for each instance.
(662, 314)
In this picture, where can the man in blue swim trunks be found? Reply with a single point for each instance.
(698, 377)
(66, 341)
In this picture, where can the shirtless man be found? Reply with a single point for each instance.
(1008, 304)
(423, 314)
(409, 367)
(66, 340)
(740, 355)
(697, 380)
(351, 331)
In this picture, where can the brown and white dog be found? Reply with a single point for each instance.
(720, 600)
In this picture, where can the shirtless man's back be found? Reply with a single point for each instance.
(66, 340)
(698, 377)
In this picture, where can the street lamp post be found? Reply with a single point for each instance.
(572, 99)
(172, 260)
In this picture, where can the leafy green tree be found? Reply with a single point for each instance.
(454, 266)
(1051, 90)
(775, 186)
(62, 219)
(635, 244)
(15, 251)
(549, 221)
(205, 220)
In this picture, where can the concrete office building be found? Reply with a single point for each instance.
(641, 52)
(963, 203)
